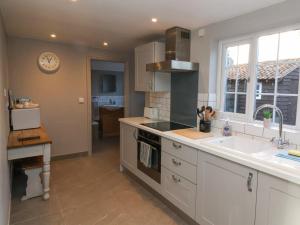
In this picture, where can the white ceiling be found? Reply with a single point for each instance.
(123, 23)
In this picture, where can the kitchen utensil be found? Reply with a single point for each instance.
(205, 126)
(208, 111)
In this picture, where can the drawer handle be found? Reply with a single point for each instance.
(177, 146)
(176, 163)
(249, 182)
(175, 179)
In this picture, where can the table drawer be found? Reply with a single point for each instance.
(179, 150)
(179, 191)
(180, 167)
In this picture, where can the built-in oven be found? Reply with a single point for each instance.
(153, 141)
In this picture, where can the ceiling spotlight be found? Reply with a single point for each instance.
(73, 0)
(154, 20)
(105, 43)
(53, 35)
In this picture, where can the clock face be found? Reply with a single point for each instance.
(48, 61)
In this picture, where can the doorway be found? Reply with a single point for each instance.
(107, 103)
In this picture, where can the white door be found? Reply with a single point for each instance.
(278, 202)
(128, 145)
(226, 192)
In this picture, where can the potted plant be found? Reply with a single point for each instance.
(267, 118)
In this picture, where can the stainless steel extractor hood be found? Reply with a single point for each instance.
(178, 44)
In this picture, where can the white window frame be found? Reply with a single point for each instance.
(251, 85)
(259, 92)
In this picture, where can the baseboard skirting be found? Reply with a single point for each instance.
(70, 156)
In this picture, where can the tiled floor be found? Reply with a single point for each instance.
(92, 191)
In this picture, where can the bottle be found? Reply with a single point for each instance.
(227, 129)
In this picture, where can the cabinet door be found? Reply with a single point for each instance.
(128, 146)
(179, 191)
(278, 202)
(143, 55)
(149, 81)
(226, 192)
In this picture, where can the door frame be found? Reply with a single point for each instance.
(89, 93)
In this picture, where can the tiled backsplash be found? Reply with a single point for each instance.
(107, 100)
(162, 101)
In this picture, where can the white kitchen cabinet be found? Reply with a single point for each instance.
(179, 191)
(226, 192)
(278, 202)
(128, 146)
(149, 81)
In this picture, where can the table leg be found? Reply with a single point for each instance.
(46, 171)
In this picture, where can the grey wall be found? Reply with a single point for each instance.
(4, 168)
(137, 99)
(205, 49)
(65, 119)
(106, 65)
(97, 83)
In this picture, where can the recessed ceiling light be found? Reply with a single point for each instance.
(105, 43)
(73, 0)
(53, 35)
(154, 20)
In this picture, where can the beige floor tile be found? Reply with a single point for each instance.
(54, 219)
(91, 191)
(33, 208)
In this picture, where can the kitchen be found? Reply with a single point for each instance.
(210, 133)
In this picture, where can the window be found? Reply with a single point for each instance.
(268, 76)
(236, 72)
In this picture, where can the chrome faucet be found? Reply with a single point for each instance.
(281, 142)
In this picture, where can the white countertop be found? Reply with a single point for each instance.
(266, 162)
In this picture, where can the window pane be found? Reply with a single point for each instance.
(231, 61)
(288, 106)
(237, 74)
(241, 104)
(265, 99)
(267, 85)
(229, 103)
(266, 69)
(242, 85)
(267, 48)
(289, 81)
(230, 85)
(231, 56)
(289, 47)
(243, 67)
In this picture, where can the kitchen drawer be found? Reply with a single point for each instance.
(179, 167)
(179, 191)
(179, 150)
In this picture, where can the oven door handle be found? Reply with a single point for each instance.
(152, 147)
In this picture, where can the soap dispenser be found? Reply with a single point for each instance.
(227, 129)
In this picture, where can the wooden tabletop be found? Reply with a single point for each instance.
(29, 137)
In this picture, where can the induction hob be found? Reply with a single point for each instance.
(166, 126)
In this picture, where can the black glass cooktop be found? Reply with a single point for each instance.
(166, 126)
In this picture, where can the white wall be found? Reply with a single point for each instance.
(205, 49)
(4, 168)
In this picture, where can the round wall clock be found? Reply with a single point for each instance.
(48, 62)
